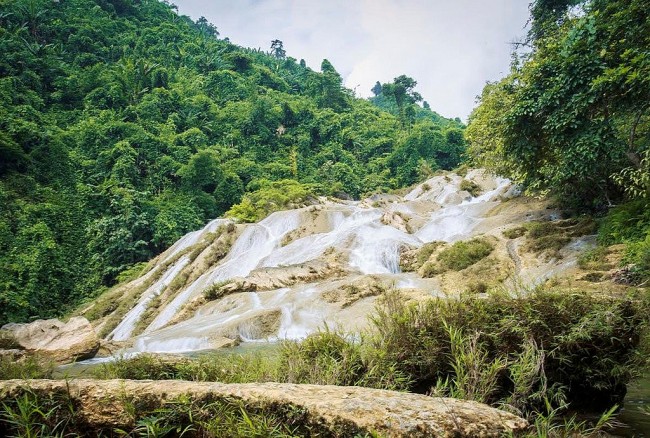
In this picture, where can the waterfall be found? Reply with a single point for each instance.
(255, 243)
(364, 238)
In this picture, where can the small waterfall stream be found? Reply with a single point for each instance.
(257, 242)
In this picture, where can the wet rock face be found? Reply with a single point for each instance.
(55, 340)
(329, 410)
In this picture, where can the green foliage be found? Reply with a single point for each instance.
(549, 237)
(214, 291)
(464, 254)
(594, 259)
(572, 117)
(123, 126)
(556, 344)
(629, 223)
(533, 354)
(471, 187)
(35, 415)
(638, 255)
(626, 222)
(514, 233)
(28, 367)
(328, 358)
(32, 416)
(272, 196)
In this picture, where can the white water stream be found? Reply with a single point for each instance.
(356, 231)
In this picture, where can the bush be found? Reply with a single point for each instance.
(328, 358)
(556, 344)
(594, 259)
(471, 187)
(624, 223)
(464, 254)
(638, 255)
(514, 233)
(271, 197)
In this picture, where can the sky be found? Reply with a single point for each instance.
(450, 47)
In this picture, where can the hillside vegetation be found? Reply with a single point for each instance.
(572, 119)
(124, 125)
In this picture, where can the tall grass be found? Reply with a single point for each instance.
(556, 345)
(29, 367)
(516, 352)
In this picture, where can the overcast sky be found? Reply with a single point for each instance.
(450, 47)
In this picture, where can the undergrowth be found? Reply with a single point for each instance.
(458, 256)
(29, 367)
(629, 223)
(55, 415)
(549, 237)
(520, 353)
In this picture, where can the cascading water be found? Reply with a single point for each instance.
(125, 328)
(252, 246)
(364, 241)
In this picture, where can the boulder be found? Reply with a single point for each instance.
(55, 340)
(326, 410)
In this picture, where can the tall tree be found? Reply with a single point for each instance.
(575, 113)
(277, 49)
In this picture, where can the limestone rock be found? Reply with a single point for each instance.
(55, 340)
(397, 220)
(348, 294)
(275, 278)
(329, 410)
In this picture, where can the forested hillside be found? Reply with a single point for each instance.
(124, 125)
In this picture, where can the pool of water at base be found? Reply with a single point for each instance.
(634, 417)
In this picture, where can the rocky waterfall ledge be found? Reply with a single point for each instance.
(328, 410)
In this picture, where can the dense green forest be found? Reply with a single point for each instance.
(124, 125)
(572, 119)
(573, 116)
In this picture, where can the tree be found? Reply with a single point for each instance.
(401, 90)
(376, 90)
(575, 112)
(206, 28)
(277, 49)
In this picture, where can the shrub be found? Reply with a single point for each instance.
(594, 259)
(464, 254)
(626, 222)
(638, 255)
(328, 358)
(425, 252)
(587, 347)
(214, 291)
(514, 233)
(471, 187)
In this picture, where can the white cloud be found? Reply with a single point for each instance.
(450, 47)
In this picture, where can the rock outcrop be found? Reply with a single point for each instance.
(328, 410)
(55, 340)
(275, 278)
